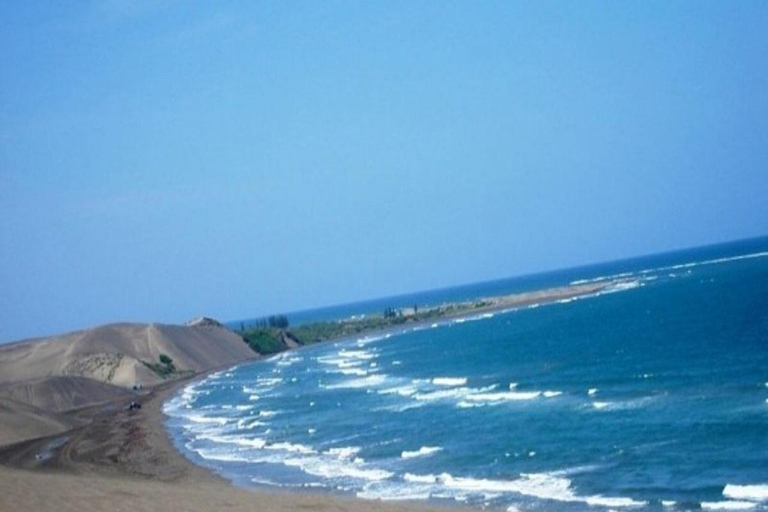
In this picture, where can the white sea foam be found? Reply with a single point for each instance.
(352, 371)
(621, 406)
(424, 451)
(592, 391)
(355, 354)
(728, 505)
(370, 339)
(537, 485)
(244, 407)
(420, 479)
(758, 492)
(236, 440)
(401, 407)
(197, 418)
(468, 405)
(253, 398)
(443, 394)
(224, 457)
(503, 396)
(268, 381)
(406, 390)
(394, 491)
(552, 394)
(449, 381)
(247, 424)
(344, 453)
(329, 468)
(622, 286)
(291, 448)
(267, 414)
(668, 503)
(363, 382)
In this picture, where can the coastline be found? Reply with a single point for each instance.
(129, 457)
(463, 310)
(119, 453)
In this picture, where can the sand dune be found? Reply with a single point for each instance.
(115, 353)
(20, 421)
(42, 378)
(61, 394)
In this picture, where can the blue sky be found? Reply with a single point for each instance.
(163, 159)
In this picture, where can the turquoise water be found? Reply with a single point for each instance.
(651, 397)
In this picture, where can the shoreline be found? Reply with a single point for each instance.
(499, 304)
(125, 454)
(119, 452)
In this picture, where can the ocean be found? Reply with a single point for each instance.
(651, 397)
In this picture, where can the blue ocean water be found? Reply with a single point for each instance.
(651, 397)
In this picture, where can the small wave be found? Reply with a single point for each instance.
(468, 405)
(394, 491)
(449, 381)
(236, 440)
(196, 418)
(223, 457)
(268, 381)
(621, 406)
(424, 451)
(504, 396)
(351, 371)
(291, 448)
(337, 469)
(344, 452)
(401, 407)
(420, 479)
(592, 391)
(370, 339)
(728, 505)
(364, 382)
(247, 424)
(537, 485)
(552, 394)
(757, 492)
(355, 354)
(407, 390)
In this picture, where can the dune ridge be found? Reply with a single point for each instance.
(43, 378)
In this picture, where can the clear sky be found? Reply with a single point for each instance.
(161, 160)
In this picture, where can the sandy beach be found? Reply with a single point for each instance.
(70, 442)
(125, 460)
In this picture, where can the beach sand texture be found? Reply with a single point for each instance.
(124, 460)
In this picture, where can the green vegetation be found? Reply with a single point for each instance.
(165, 368)
(265, 340)
(274, 321)
(271, 335)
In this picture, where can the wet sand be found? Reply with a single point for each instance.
(125, 460)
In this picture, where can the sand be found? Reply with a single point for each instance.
(113, 353)
(98, 455)
(125, 460)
